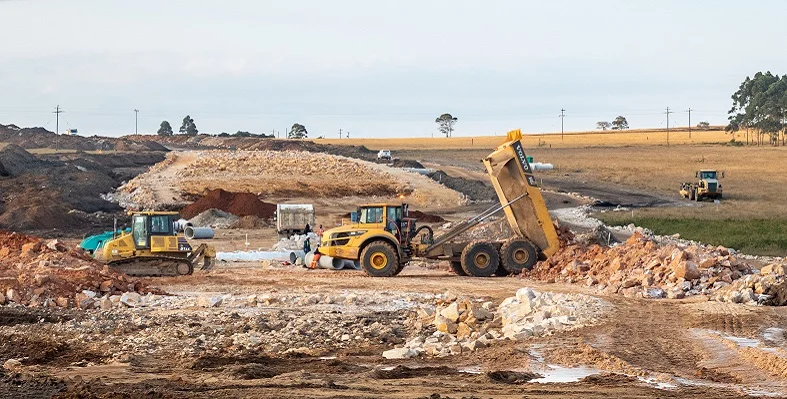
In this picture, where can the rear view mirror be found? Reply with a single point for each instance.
(722, 174)
(696, 175)
(354, 217)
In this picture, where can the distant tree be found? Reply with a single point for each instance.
(188, 127)
(297, 131)
(703, 125)
(446, 124)
(620, 123)
(603, 125)
(165, 129)
(760, 104)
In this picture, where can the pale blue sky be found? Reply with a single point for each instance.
(379, 69)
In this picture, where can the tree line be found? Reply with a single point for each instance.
(189, 128)
(760, 105)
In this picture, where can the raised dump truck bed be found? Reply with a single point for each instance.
(512, 177)
(526, 212)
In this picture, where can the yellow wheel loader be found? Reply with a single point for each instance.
(383, 238)
(154, 247)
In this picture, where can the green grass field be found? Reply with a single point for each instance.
(751, 236)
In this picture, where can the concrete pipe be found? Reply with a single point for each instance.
(197, 233)
(327, 262)
(181, 224)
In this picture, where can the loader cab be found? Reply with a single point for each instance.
(393, 218)
(147, 224)
(706, 174)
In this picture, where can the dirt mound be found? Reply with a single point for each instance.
(38, 137)
(475, 190)
(406, 163)
(39, 274)
(251, 222)
(640, 267)
(426, 217)
(238, 204)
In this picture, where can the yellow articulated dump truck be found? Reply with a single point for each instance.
(383, 238)
(154, 247)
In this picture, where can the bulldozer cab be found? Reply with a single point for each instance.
(149, 224)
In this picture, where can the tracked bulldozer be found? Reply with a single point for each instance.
(154, 247)
(383, 238)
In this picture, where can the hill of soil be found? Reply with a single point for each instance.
(38, 137)
(238, 204)
(61, 191)
(204, 141)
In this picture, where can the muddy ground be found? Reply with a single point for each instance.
(291, 347)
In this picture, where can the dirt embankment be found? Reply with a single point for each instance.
(60, 191)
(203, 142)
(37, 137)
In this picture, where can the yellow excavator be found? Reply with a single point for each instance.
(382, 237)
(154, 247)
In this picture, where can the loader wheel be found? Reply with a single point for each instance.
(379, 259)
(480, 259)
(518, 255)
(692, 195)
(457, 268)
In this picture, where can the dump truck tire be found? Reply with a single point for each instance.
(480, 259)
(501, 272)
(518, 255)
(379, 259)
(456, 266)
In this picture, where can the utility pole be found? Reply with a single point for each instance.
(57, 113)
(668, 112)
(689, 111)
(136, 121)
(340, 134)
(562, 118)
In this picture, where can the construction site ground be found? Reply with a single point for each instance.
(642, 348)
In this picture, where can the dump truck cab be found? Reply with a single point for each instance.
(706, 186)
(385, 222)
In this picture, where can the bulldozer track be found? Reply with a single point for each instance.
(155, 266)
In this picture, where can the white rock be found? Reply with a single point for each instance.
(399, 353)
(451, 312)
(131, 299)
(525, 293)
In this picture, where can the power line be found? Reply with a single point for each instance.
(668, 112)
(136, 121)
(562, 118)
(57, 113)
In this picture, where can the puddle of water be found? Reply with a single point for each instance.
(658, 384)
(555, 373)
(742, 341)
(773, 334)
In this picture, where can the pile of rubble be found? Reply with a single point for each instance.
(215, 218)
(767, 288)
(463, 325)
(39, 274)
(640, 267)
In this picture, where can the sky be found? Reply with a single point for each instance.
(378, 69)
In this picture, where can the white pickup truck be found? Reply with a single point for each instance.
(384, 155)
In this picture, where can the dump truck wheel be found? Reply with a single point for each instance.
(457, 268)
(480, 259)
(518, 255)
(501, 271)
(379, 259)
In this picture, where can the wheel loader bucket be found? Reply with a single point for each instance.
(512, 176)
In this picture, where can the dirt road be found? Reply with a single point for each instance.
(291, 348)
